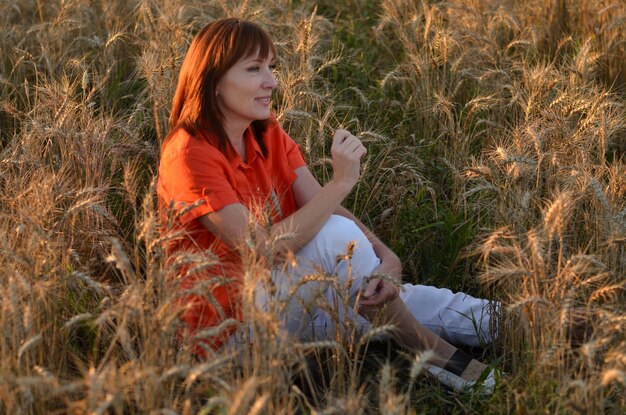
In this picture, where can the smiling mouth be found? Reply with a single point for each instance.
(264, 100)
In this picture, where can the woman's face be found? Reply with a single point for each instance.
(244, 92)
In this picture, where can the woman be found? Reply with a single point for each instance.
(229, 174)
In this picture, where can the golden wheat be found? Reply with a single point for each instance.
(510, 112)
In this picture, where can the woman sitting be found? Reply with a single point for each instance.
(230, 174)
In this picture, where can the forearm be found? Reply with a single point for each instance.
(295, 231)
(235, 225)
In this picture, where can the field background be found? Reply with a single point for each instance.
(496, 132)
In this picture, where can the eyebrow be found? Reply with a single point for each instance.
(259, 60)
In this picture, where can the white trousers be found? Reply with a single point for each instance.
(319, 289)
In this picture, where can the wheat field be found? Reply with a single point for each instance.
(496, 135)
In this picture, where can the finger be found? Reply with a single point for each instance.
(359, 152)
(373, 301)
(340, 136)
(355, 145)
(371, 288)
(351, 145)
(390, 293)
(383, 296)
(347, 141)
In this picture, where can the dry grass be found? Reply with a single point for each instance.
(513, 113)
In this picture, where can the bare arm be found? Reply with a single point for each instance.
(233, 223)
(305, 189)
(378, 291)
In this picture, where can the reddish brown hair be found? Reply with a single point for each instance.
(214, 50)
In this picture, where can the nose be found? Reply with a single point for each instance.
(270, 81)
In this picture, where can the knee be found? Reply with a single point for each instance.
(341, 236)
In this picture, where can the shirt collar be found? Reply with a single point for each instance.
(253, 150)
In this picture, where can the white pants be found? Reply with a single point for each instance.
(323, 282)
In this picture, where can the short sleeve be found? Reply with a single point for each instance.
(197, 179)
(293, 152)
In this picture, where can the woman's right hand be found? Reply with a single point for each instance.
(346, 151)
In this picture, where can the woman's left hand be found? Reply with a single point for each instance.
(379, 291)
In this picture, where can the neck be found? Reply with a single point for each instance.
(234, 132)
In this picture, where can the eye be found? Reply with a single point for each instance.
(273, 67)
(253, 68)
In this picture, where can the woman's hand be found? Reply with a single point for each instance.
(346, 151)
(379, 291)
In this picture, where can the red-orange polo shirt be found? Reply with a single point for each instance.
(195, 179)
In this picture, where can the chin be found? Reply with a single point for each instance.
(264, 116)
